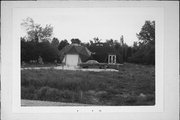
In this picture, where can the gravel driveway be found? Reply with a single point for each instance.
(69, 68)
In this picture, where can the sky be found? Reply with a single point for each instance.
(87, 23)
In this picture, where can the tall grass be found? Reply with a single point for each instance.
(99, 88)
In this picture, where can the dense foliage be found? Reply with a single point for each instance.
(145, 51)
(62, 44)
(35, 32)
(31, 50)
(39, 43)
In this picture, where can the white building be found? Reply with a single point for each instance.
(74, 54)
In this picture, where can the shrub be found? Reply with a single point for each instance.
(148, 100)
(70, 96)
(52, 94)
(28, 92)
(130, 100)
(112, 90)
(41, 93)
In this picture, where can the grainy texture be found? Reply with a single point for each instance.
(132, 85)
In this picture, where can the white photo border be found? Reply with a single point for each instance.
(11, 64)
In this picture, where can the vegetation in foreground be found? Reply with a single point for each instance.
(132, 85)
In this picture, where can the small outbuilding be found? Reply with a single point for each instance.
(74, 54)
(111, 58)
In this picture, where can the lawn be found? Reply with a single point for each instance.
(132, 85)
(38, 65)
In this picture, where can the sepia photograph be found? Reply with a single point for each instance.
(87, 57)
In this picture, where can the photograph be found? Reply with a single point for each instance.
(87, 56)
(89, 60)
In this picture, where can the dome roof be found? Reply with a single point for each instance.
(76, 49)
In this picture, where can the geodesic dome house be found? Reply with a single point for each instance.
(74, 54)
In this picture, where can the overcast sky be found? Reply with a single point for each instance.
(87, 23)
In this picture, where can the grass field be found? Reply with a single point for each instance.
(39, 65)
(132, 85)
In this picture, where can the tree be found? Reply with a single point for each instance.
(147, 33)
(75, 41)
(100, 50)
(122, 40)
(145, 50)
(96, 40)
(35, 32)
(37, 42)
(32, 51)
(29, 50)
(23, 49)
(48, 52)
(110, 42)
(55, 42)
(85, 44)
(125, 52)
(62, 44)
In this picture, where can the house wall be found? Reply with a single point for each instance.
(72, 59)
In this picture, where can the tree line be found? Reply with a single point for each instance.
(39, 43)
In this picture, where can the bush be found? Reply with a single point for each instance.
(130, 100)
(67, 95)
(47, 93)
(145, 55)
(52, 94)
(28, 92)
(41, 93)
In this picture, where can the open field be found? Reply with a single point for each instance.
(27, 65)
(132, 85)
